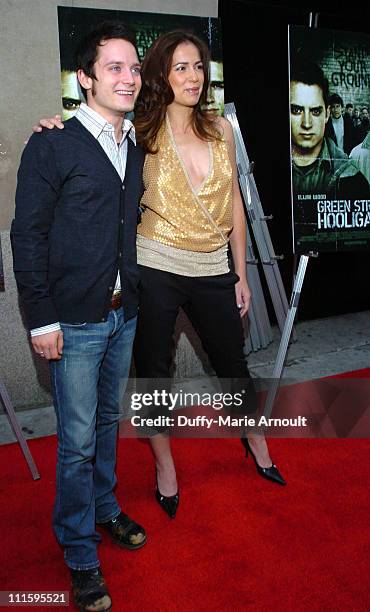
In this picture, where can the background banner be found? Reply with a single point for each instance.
(74, 23)
(330, 139)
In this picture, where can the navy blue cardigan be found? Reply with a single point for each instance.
(74, 227)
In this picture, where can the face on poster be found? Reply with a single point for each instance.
(74, 23)
(330, 139)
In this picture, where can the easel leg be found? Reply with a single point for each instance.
(17, 430)
(285, 337)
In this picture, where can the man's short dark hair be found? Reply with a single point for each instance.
(303, 70)
(88, 48)
(336, 99)
(349, 105)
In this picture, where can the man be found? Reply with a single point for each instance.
(215, 94)
(340, 126)
(361, 155)
(356, 119)
(365, 123)
(349, 109)
(319, 166)
(73, 240)
(71, 97)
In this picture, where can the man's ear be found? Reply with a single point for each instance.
(84, 80)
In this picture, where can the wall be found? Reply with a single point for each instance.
(30, 89)
(347, 76)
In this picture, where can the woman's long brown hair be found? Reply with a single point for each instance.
(156, 92)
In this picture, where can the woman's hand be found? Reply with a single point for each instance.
(49, 123)
(243, 296)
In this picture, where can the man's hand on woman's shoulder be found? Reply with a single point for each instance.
(49, 122)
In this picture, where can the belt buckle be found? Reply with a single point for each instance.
(116, 301)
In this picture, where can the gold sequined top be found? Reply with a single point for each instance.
(175, 213)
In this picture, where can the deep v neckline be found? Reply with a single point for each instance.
(197, 190)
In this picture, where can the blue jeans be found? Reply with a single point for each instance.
(88, 383)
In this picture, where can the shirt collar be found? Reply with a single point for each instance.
(325, 153)
(96, 124)
(337, 120)
(323, 158)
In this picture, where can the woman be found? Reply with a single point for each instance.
(192, 210)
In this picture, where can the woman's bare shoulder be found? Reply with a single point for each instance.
(224, 127)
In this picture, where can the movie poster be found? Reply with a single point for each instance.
(330, 139)
(74, 23)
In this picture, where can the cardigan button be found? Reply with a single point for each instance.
(123, 188)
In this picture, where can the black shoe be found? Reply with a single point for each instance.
(125, 532)
(169, 504)
(270, 473)
(90, 591)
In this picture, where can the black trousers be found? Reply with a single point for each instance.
(210, 304)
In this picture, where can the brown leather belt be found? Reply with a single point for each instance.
(116, 301)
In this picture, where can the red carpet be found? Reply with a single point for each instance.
(237, 543)
(364, 373)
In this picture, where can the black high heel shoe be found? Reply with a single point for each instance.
(168, 503)
(270, 473)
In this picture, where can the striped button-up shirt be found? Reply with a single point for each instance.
(117, 154)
